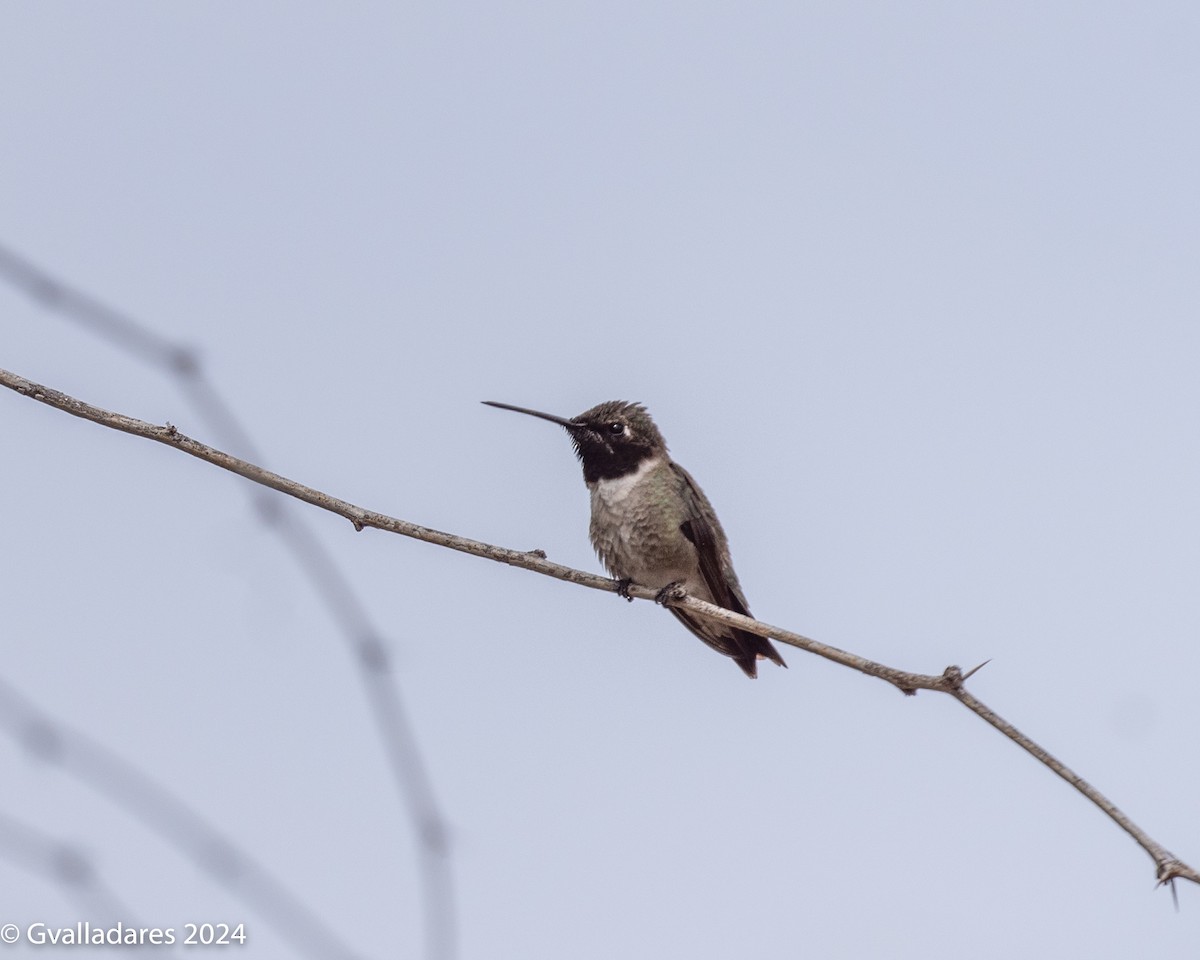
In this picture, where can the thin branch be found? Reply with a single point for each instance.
(950, 681)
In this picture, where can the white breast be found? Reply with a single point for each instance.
(611, 494)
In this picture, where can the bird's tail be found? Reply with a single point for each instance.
(753, 649)
(745, 649)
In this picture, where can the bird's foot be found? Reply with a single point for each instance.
(672, 591)
(623, 588)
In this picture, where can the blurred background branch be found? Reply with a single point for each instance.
(65, 864)
(369, 649)
(154, 807)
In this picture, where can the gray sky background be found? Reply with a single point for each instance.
(912, 290)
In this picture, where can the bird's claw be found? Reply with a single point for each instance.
(623, 588)
(672, 591)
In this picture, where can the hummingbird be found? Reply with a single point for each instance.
(653, 525)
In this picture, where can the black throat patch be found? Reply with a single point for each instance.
(606, 461)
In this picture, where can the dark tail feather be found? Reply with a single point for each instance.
(743, 648)
(752, 647)
(749, 665)
(767, 649)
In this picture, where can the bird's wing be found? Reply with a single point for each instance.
(709, 540)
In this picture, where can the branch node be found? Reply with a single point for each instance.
(373, 653)
(1168, 870)
(356, 523)
(536, 552)
(72, 866)
(953, 676)
(184, 361)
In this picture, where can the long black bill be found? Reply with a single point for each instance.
(534, 413)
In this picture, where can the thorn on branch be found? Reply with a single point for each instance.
(974, 670)
(356, 523)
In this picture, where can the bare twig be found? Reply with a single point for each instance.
(950, 681)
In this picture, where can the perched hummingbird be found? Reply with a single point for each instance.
(652, 524)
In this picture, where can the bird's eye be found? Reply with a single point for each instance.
(616, 428)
